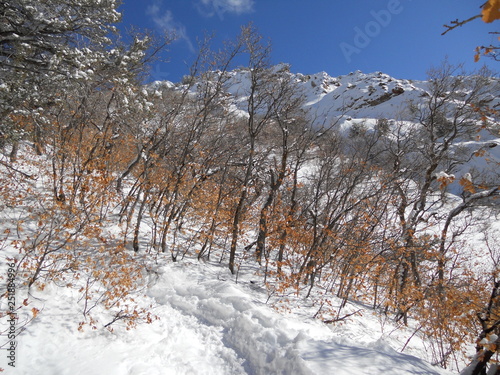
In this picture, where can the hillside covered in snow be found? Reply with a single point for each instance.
(205, 319)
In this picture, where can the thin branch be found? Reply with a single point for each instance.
(31, 177)
(330, 321)
(458, 23)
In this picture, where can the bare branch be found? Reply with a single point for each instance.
(457, 23)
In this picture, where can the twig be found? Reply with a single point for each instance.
(409, 339)
(330, 321)
(458, 23)
(31, 177)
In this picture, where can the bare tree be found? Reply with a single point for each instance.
(425, 154)
(260, 106)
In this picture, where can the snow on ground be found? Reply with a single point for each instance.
(208, 324)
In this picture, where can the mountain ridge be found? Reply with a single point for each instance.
(357, 95)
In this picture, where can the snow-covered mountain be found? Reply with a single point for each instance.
(360, 95)
(355, 96)
(365, 98)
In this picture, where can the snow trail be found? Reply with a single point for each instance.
(208, 325)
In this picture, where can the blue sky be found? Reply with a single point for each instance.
(398, 37)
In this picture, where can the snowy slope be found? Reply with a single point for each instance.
(358, 95)
(364, 98)
(209, 321)
(208, 324)
(355, 95)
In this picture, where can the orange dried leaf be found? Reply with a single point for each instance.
(491, 11)
(480, 153)
(467, 185)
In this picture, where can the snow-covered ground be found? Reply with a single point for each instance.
(209, 324)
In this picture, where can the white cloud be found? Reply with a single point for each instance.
(211, 7)
(165, 21)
